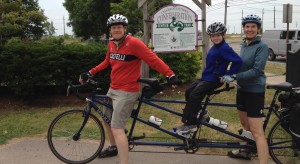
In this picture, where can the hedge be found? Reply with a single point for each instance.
(33, 68)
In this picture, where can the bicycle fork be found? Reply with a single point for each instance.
(85, 115)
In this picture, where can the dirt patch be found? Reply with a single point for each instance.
(49, 101)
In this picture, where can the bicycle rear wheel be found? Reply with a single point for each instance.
(68, 147)
(282, 148)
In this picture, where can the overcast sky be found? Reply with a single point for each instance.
(237, 8)
(55, 11)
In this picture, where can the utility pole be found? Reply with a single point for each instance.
(225, 15)
(274, 18)
(228, 29)
(64, 25)
(262, 21)
(242, 25)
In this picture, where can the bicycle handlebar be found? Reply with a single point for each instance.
(152, 82)
(75, 88)
(226, 88)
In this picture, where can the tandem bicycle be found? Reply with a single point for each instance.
(77, 136)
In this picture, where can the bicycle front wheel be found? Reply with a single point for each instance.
(70, 146)
(282, 148)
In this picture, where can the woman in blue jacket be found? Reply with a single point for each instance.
(251, 94)
(217, 61)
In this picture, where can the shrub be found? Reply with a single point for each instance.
(186, 65)
(28, 68)
(31, 68)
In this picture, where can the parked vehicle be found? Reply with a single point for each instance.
(276, 40)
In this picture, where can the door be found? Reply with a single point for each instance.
(282, 44)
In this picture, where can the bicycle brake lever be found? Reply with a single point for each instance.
(68, 90)
(237, 86)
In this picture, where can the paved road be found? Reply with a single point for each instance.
(235, 44)
(36, 151)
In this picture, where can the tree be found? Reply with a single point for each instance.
(21, 18)
(130, 9)
(49, 28)
(88, 18)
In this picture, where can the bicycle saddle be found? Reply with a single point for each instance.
(285, 86)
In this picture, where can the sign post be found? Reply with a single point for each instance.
(146, 7)
(287, 18)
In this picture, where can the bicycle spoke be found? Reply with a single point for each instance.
(282, 148)
(81, 150)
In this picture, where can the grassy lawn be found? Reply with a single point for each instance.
(29, 121)
(26, 122)
(275, 68)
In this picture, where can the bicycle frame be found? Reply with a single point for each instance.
(282, 146)
(202, 122)
(96, 99)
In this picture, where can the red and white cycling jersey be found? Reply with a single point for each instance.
(125, 63)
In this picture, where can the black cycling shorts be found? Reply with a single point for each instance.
(252, 103)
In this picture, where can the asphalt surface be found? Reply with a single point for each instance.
(36, 151)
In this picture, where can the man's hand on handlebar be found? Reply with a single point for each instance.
(84, 77)
(173, 80)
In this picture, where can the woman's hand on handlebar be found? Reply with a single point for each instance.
(227, 78)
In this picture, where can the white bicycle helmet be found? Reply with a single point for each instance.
(117, 19)
(251, 19)
(216, 28)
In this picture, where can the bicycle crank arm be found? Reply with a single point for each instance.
(181, 148)
(139, 137)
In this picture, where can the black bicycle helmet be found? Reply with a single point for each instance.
(251, 19)
(216, 28)
(117, 19)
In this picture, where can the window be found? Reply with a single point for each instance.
(291, 35)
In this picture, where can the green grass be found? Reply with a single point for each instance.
(275, 68)
(26, 122)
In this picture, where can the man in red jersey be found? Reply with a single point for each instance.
(124, 55)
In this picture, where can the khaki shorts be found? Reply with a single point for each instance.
(123, 104)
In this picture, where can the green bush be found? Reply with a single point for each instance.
(186, 65)
(32, 68)
(29, 68)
